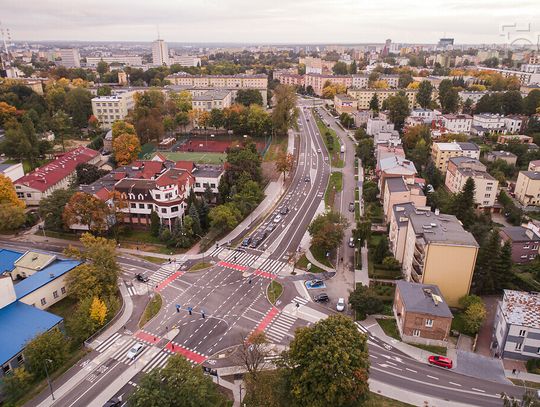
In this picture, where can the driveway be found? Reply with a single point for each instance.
(484, 336)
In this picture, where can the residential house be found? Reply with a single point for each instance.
(12, 171)
(527, 188)
(377, 125)
(525, 243)
(395, 166)
(422, 315)
(207, 176)
(507, 156)
(460, 169)
(442, 152)
(57, 174)
(213, 99)
(504, 139)
(457, 123)
(516, 330)
(397, 191)
(439, 251)
(485, 123)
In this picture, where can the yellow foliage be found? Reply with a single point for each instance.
(477, 87)
(126, 148)
(98, 311)
(63, 82)
(6, 111)
(380, 85)
(8, 194)
(79, 83)
(413, 85)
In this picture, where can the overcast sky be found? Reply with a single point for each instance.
(268, 21)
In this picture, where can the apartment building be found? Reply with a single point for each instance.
(57, 174)
(360, 81)
(457, 123)
(213, 99)
(376, 125)
(391, 80)
(422, 116)
(345, 104)
(70, 58)
(460, 169)
(525, 243)
(506, 156)
(289, 78)
(527, 188)
(128, 60)
(422, 316)
(516, 330)
(442, 152)
(109, 109)
(239, 81)
(525, 78)
(160, 53)
(485, 123)
(364, 96)
(317, 81)
(473, 96)
(398, 191)
(186, 60)
(395, 166)
(12, 171)
(514, 124)
(437, 250)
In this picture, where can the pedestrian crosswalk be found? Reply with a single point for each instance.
(158, 361)
(216, 251)
(280, 327)
(107, 343)
(361, 328)
(299, 300)
(242, 258)
(120, 353)
(272, 266)
(165, 271)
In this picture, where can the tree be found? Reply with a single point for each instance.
(88, 173)
(328, 364)
(248, 97)
(102, 67)
(398, 107)
(423, 97)
(353, 68)
(98, 311)
(531, 102)
(52, 207)
(16, 384)
(21, 142)
(512, 102)
(182, 100)
(529, 399)
(253, 351)
(178, 384)
(120, 127)
(78, 105)
(366, 152)
(474, 316)
(49, 347)
(62, 126)
(327, 230)
(155, 224)
(464, 203)
(104, 91)
(381, 250)
(285, 112)
(284, 163)
(340, 68)
(86, 210)
(374, 103)
(12, 213)
(365, 301)
(126, 148)
(7, 112)
(224, 217)
(83, 282)
(363, 231)
(405, 79)
(79, 325)
(448, 96)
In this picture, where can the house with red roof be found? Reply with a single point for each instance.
(57, 174)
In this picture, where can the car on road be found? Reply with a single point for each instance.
(284, 210)
(316, 283)
(277, 218)
(322, 297)
(440, 361)
(319, 150)
(340, 304)
(114, 402)
(135, 350)
(307, 179)
(246, 242)
(270, 227)
(351, 241)
(142, 278)
(351, 206)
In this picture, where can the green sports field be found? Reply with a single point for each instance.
(200, 158)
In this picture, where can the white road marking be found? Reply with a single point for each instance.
(432, 377)
(480, 390)
(455, 384)
(411, 370)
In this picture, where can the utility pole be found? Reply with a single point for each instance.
(47, 374)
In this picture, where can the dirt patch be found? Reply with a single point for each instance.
(269, 171)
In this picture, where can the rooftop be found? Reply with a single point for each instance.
(212, 95)
(396, 184)
(423, 298)
(457, 146)
(534, 175)
(397, 165)
(519, 234)
(402, 211)
(441, 228)
(7, 259)
(502, 154)
(521, 308)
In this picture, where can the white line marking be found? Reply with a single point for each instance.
(455, 384)
(432, 377)
(410, 370)
(480, 390)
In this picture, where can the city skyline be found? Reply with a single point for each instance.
(234, 21)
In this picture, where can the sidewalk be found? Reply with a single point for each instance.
(528, 377)
(314, 261)
(362, 275)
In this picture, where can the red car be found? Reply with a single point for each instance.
(440, 361)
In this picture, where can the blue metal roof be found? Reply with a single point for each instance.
(44, 277)
(7, 259)
(19, 323)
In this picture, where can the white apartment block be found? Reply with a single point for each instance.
(360, 81)
(109, 109)
(70, 58)
(186, 60)
(457, 123)
(213, 99)
(513, 124)
(160, 53)
(364, 96)
(129, 60)
(240, 81)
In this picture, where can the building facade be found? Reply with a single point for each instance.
(70, 58)
(527, 188)
(160, 53)
(109, 109)
(525, 243)
(442, 152)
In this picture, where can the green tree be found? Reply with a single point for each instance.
(102, 68)
(381, 250)
(327, 230)
(104, 91)
(224, 217)
(448, 96)
(16, 384)
(248, 97)
(512, 102)
(464, 203)
(88, 173)
(80, 325)
(315, 356)
(285, 113)
(340, 68)
(531, 102)
(78, 105)
(353, 68)
(178, 384)
(365, 301)
(365, 151)
(374, 103)
(423, 97)
(363, 231)
(398, 107)
(49, 347)
(405, 79)
(155, 224)
(62, 126)
(52, 207)
(474, 316)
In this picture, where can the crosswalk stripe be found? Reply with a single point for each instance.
(122, 350)
(107, 343)
(242, 258)
(280, 327)
(361, 328)
(300, 300)
(215, 252)
(272, 266)
(158, 361)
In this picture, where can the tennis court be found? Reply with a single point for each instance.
(196, 157)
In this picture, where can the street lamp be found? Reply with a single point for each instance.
(47, 374)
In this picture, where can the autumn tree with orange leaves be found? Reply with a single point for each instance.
(126, 148)
(87, 210)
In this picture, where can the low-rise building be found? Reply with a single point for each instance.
(240, 81)
(431, 240)
(485, 123)
(514, 124)
(345, 103)
(460, 169)
(395, 166)
(516, 330)
(364, 96)
(442, 152)
(422, 116)
(12, 171)
(361, 117)
(457, 123)
(506, 156)
(519, 138)
(525, 243)
(109, 109)
(214, 99)
(534, 165)
(377, 125)
(422, 315)
(207, 176)
(397, 191)
(57, 174)
(527, 188)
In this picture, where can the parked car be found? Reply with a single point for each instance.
(440, 361)
(319, 150)
(135, 350)
(351, 241)
(141, 277)
(322, 297)
(351, 206)
(316, 283)
(277, 219)
(246, 242)
(340, 304)
(284, 210)
(114, 402)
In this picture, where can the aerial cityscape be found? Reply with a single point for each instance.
(302, 204)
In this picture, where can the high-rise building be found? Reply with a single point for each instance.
(160, 53)
(70, 58)
(445, 42)
(386, 49)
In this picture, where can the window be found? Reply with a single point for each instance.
(6, 368)
(416, 332)
(141, 206)
(163, 210)
(429, 323)
(174, 209)
(535, 247)
(29, 195)
(43, 301)
(522, 332)
(149, 206)
(63, 290)
(487, 195)
(133, 206)
(518, 345)
(158, 196)
(168, 195)
(55, 294)
(20, 359)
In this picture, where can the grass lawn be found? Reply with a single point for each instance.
(530, 385)
(439, 350)
(198, 157)
(64, 308)
(58, 235)
(200, 265)
(274, 291)
(458, 323)
(152, 259)
(151, 310)
(376, 400)
(138, 236)
(278, 144)
(334, 147)
(303, 262)
(389, 327)
(320, 256)
(335, 185)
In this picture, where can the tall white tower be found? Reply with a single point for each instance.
(160, 53)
